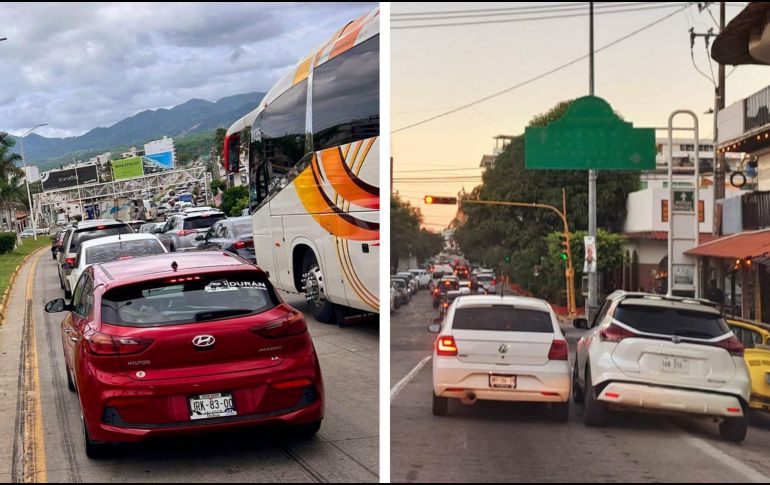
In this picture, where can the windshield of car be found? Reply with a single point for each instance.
(203, 221)
(96, 232)
(196, 299)
(502, 318)
(111, 252)
(666, 320)
(243, 227)
(399, 283)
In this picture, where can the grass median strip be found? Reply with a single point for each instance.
(9, 262)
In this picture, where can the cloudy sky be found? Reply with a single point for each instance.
(644, 77)
(79, 66)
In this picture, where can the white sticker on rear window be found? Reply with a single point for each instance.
(226, 285)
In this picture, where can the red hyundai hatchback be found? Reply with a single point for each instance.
(185, 342)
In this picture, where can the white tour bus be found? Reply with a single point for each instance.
(312, 152)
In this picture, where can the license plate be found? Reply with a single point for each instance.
(674, 365)
(502, 382)
(208, 406)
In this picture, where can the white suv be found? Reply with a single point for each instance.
(672, 355)
(501, 349)
(423, 277)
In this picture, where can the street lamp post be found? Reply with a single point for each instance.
(26, 180)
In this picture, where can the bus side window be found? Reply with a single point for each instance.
(282, 129)
(346, 97)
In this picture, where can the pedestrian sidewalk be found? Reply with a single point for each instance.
(11, 335)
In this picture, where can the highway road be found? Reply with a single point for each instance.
(345, 450)
(499, 442)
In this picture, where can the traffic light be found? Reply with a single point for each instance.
(507, 259)
(564, 254)
(434, 199)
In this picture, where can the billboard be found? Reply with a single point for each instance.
(87, 174)
(163, 161)
(127, 168)
(69, 177)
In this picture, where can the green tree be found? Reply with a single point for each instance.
(234, 200)
(407, 238)
(219, 141)
(490, 233)
(8, 159)
(13, 195)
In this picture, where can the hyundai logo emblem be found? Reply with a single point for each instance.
(676, 340)
(204, 341)
(503, 348)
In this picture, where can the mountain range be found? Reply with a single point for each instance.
(193, 116)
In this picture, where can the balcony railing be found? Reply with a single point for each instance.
(756, 110)
(756, 210)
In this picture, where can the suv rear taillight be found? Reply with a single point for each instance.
(185, 232)
(243, 244)
(287, 326)
(559, 350)
(732, 345)
(103, 344)
(615, 333)
(446, 346)
(70, 261)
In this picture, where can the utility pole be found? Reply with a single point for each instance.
(593, 287)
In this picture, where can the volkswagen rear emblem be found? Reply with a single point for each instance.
(503, 348)
(204, 341)
(676, 340)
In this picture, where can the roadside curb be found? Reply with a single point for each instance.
(7, 292)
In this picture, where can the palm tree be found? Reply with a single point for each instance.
(12, 195)
(8, 159)
(11, 190)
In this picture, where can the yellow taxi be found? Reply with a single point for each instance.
(756, 338)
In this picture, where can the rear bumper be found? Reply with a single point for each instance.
(641, 396)
(117, 408)
(546, 383)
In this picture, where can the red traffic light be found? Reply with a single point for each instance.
(433, 199)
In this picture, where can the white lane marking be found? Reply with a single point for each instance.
(750, 473)
(403, 382)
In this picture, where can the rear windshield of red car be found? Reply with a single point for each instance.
(189, 299)
(502, 318)
(203, 221)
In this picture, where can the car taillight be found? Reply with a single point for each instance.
(287, 326)
(614, 333)
(70, 261)
(494, 282)
(103, 344)
(559, 350)
(184, 232)
(243, 244)
(732, 345)
(446, 346)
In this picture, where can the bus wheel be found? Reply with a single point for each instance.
(313, 287)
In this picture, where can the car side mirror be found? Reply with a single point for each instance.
(580, 322)
(434, 328)
(57, 306)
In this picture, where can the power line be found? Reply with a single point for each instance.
(529, 19)
(437, 170)
(545, 74)
(520, 9)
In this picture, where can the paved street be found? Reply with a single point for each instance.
(346, 449)
(499, 442)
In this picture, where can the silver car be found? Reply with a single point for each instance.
(181, 230)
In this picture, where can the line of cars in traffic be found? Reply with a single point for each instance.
(641, 352)
(173, 330)
(404, 285)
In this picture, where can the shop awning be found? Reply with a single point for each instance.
(663, 236)
(752, 244)
(732, 45)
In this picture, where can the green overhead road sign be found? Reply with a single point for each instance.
(590, 136)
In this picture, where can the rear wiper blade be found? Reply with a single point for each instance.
(212, 315)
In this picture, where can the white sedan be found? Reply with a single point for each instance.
(662, 354)
(113, 248)
(501, 349)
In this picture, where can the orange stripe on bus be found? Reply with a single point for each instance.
(341, 181)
